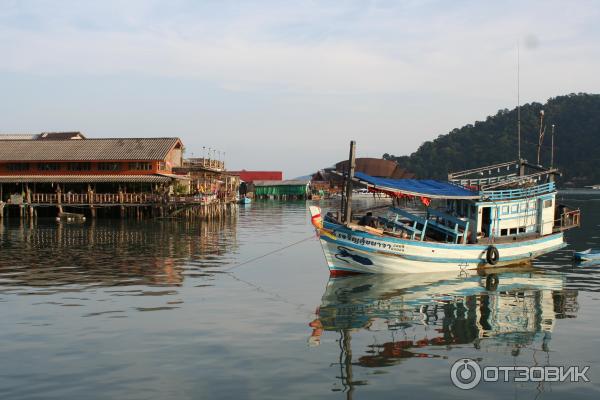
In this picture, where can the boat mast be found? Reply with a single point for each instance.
(518, 103)
(541, 136)
(552, 154)
(351, 165)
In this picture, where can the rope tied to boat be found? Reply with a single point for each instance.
(269, 253)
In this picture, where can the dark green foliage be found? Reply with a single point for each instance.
(577, 141)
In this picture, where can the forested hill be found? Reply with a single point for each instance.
(577, 141)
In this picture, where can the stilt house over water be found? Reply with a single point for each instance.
(46, 173)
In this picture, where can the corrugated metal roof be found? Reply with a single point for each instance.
(291, 182)
(84, 178)
(86, 149)
(376, 167)
(251, 176)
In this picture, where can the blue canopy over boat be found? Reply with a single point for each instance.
(417, 187)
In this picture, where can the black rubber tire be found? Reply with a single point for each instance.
(491, 282)
(492, 256)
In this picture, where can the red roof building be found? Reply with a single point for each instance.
(251, 176)
(89, 160)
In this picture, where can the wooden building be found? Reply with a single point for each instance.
(134, 175)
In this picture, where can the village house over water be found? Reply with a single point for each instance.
(56, 172)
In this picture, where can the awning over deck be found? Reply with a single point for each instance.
(428, 188)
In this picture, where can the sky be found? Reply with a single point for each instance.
(285, 85)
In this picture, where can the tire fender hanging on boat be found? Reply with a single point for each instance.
(492, 255)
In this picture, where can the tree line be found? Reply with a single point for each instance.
(577, 141)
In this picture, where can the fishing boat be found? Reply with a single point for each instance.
(493, 216)
(587, 255)
(365, 193)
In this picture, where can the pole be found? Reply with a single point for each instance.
(541, 136)
(552, 154)
(519, 102)
(351, 166)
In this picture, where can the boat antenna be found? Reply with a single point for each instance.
(519, 101)
(541, 137)
(552, 154)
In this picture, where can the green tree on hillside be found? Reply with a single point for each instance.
(577, 141)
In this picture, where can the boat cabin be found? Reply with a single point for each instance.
(498, 203)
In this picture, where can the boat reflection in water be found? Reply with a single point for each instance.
(502, 312)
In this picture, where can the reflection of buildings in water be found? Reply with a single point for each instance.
(111, 253)
(521, 310)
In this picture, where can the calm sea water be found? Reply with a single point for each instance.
(163, 309)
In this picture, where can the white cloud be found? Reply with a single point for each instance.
(388, 51)
(390, 74)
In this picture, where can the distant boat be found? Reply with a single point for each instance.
(594, 187)
(362, 193)
(70, 218)
(587, 255)
(245, 200)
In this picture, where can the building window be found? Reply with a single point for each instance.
(140, 166)
(48, 166)
(79, 166)
(548, 203)
(532, 205)
(503, 232)
(109, 166)
(162, 166)
(514, 208)
(513, 231)
(505, 210)
(17, 166)
(522, 229)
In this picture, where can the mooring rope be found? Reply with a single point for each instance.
(268, 254)
(276, 296)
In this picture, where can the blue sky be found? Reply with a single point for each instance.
(283, 84)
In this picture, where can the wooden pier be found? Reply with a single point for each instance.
(124, 205)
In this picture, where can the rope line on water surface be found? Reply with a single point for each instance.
(268, 254)
(276, 296)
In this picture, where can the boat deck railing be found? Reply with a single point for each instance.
(568, 220)
(510, 194)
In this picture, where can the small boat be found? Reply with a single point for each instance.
(70, 218)
(245, 200)
(587, 255)
(365, 193)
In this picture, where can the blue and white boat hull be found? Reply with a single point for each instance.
(362, 252)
